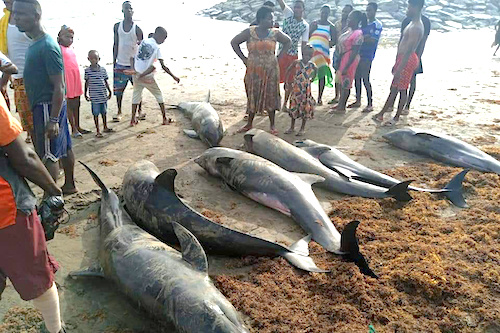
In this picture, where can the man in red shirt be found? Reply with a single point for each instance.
(23, 250)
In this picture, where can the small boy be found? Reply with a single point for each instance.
(96, 84)
(143, 63)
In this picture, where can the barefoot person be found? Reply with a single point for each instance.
(143, 63)
(73, 81)
(406, 61)
(371, 36)
(301, 101)
(97, 91)
(23, 252)
(17, 45)
(127, 36)
(295, 27)
(420, 52)
(323, 37)
(349, 46)
(44, 81)
(341, 27)
(262, 74)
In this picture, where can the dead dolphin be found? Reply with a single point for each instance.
(205, 120)
(286, 192)
(335, 159)
(443, 148)
(172, 286)
(151, 200)
(295, 159)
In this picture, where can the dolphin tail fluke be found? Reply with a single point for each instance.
(454, 187)
(96, 178)
(400, 191)
(350, 247)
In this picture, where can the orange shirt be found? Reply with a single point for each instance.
(10, 129)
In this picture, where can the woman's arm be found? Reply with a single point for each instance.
(284, 40)
(237, 41)
(354, 53)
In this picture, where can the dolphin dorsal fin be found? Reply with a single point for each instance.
(427, 136)
(207, 100)
(192, 252)
(308, 178)
(166, 179)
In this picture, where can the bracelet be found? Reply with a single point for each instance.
(54, 119)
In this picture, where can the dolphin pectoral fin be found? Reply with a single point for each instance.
(192, 252)
(93, 271)
(454, 187)
(343, 172)
(301, 246)
(191, 133)
(303, 262)
(224, 160)
(350, 247)
(316, 151)
(308, 178)
(166, 179)
(400, 191)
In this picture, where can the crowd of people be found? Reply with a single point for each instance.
(355, 38)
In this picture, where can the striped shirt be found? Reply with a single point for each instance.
(97, 87)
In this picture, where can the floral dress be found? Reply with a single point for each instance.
(301, 101)
(262, 75)
(347, 41)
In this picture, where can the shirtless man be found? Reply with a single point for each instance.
(127, 38)
(406, 62)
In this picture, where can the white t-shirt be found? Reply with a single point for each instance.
(287, 13)
(147, 54)
(17, 43)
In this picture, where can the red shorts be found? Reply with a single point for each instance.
(404, 80)
(284, 62)
(24, 258)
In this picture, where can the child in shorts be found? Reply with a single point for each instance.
(97, 91)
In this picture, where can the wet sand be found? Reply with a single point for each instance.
(457, 95)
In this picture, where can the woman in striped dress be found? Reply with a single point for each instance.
(323, 36)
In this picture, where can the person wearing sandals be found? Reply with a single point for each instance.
(371, 36)
(301, 100)
(349, 46)
(407, 61)
(97, 91)
(262, 76)
(73, 81)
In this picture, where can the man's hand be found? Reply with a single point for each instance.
(52, 130)
(109, 95)
(87, 98)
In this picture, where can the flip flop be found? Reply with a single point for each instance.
(244, 129)
(77, 135)
(274, 132)
(376, 119)
(117, 119)
(288, 131)
(354, 106)
(99, 135)
(333, 101)
(405, 112)
(142, 117)
(390, 123)
(84, 131)
(300, 133)
(109, 130)
(168, 121)
(368, 109)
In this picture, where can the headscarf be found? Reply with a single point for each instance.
(4, 26)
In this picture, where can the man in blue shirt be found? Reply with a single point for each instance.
(371, 35)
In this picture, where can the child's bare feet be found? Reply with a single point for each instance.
(378, 117)
(301, 133)
(356, 104)
(98, 135)
(69, 189)
(244, 129)
(167, 121)
(108, 130)
(289, 131)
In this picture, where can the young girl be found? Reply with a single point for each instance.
(73, 81)
(301, 101)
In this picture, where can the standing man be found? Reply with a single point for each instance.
(371, 36)
(298, 30)
(406, 62)
(420, 52)
(17, 45)
(341, 26)
(23, 251)
(44, 82)
(128, 36)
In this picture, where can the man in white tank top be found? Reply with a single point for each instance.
(127, 37)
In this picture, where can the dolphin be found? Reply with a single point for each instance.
(295, 159)
(151, 200)
(205, 120)
(335, 159)
(288, 193)
(443, 148)
(171, 286)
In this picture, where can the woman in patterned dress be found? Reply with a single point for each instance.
(301, 101)
(262, 75)
(349, 45)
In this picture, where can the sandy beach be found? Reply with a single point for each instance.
(457, 94)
